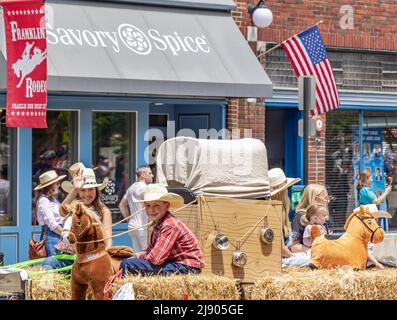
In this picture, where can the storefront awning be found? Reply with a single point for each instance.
(113, 48)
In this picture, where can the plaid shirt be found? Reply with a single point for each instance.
(172, 240)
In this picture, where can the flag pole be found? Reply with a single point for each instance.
(275, 47)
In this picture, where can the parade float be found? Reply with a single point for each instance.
(228, 206)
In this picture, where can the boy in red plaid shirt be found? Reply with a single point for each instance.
(173, 247)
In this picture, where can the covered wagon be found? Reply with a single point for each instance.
(229, 209)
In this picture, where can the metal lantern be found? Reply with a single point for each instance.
(267, 235)
(239, 258)
(220, 241)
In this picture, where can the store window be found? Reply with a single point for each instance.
(7, 174)
(380, 155)
(54, 148)
(342, 155)
(113, 155)
(344, 160)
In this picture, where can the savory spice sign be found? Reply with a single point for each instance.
(26, 63)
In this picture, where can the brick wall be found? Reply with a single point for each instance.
(374, 21)
(242, 114)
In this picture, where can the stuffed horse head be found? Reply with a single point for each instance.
(86, 225)
(363, 223)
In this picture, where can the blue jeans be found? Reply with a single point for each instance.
(51, 239)
(53, 263)
(141, 266)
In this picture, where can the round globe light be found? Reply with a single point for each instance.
(262, 17)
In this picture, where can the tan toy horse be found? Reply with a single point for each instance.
(94, 265)
(351, 248)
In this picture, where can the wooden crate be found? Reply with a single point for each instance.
(236, 218)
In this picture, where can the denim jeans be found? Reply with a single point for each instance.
(51, 239)
(53, 263)
(141, 266)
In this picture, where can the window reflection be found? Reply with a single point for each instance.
(54, 148)
(113, 142)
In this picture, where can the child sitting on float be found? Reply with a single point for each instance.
(315, 215)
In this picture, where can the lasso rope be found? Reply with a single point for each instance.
(129, 217)
(216, 225)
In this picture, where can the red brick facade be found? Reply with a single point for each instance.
(359, 24)
(242, 114)
(374, 21)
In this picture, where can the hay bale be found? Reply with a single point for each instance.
(336, 284)
(49, 286)
(56, 286)
(175, 287)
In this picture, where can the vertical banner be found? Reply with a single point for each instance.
(26, 63)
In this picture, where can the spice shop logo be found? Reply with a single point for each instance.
(136, 40)
(109, 197)
(110, 188)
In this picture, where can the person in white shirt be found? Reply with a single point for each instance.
(47, 210)
(129, 206)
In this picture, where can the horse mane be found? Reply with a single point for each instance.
(364, 214)
(92, 213)
(349, 219)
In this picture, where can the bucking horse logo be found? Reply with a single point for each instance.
(27, 63)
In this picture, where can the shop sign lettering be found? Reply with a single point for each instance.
(133, 38)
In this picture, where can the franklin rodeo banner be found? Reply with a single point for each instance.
(26, 63)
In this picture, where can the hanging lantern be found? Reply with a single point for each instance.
(267, 235)
(239, 258)
(221, 242)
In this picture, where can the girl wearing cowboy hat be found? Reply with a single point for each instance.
(47, 209)
(85, 188)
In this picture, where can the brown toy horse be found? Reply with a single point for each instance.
(351, 248)
(94, 265)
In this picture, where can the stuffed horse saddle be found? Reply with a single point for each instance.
(118, 253)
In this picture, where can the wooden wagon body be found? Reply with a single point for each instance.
(241, 221)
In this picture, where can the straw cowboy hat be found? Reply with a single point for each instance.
(89, 179)
(157, 192)
(75, 168)
(373, 209)
(279, 182)
(47, 179)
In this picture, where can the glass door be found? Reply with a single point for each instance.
(113, 155)
(54, 148)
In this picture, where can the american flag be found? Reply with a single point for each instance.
(308, 56)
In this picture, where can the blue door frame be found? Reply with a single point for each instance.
(293, 144)
(14, 239)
